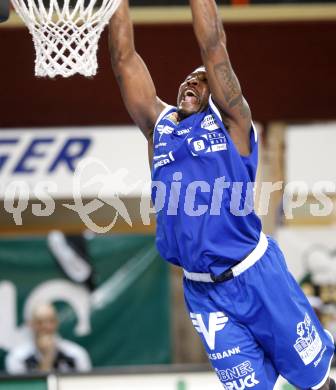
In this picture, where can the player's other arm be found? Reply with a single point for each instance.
(223, 82)
(136, 85)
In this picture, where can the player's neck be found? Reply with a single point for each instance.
(182, 115)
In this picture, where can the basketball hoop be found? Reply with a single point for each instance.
(65, 36)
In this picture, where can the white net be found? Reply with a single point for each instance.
(65, 33)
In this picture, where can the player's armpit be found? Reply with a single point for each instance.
(138, 92)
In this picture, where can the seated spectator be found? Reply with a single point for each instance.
(46, 351)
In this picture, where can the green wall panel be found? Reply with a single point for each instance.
(129, 312)
(23, 384)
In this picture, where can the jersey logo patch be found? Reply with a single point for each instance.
(207, 143)
(184, 131)
(209, 123)
(164, 129)
(161, 145)
(162, 160)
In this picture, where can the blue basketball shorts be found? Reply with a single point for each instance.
(259, 325)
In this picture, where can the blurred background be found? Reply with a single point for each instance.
(113, 294)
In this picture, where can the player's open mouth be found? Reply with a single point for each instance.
(190, 96)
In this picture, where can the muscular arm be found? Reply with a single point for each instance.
(136, 85)
(223, 82)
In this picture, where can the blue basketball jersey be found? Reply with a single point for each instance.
(203, 192)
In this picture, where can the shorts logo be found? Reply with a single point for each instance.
(239, 377)
(309, 344)
(217, 321)
(225, 354)
(209, 123)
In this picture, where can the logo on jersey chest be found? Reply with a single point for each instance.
(183, 131)
(209, 123)
(160, 145)
(207, 143)
(164, 129)
(162, 160)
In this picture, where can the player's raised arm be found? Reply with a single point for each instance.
(136, 85)
(223, 82)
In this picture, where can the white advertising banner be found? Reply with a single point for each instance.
(309, 250)
(62, 162)
(182, 381)
(310, 155)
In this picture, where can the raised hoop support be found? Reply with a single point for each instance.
(65, 36)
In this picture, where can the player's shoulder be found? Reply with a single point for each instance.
(168, 113)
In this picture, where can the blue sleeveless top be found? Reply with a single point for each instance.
(202, 189)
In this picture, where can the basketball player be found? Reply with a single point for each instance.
(253, 319)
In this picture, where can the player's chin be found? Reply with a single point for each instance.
(188, 109)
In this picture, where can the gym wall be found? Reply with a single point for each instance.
(286, 70)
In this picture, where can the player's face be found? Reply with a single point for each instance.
(193, 95)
